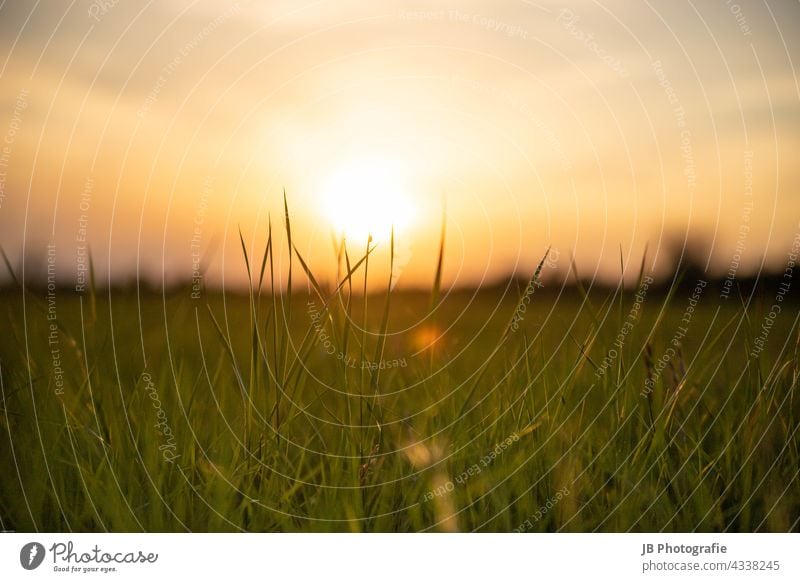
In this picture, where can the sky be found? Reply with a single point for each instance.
(150, 134)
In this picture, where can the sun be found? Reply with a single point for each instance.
(367, 198)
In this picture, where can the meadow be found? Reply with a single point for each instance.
(527, 406)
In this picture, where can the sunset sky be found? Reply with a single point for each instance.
(153, 130)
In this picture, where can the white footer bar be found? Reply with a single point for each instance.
(401, 557)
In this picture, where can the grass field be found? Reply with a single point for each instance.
(518, 409)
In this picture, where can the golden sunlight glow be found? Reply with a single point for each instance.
(367, 198)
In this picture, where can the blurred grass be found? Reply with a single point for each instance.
(272, 433)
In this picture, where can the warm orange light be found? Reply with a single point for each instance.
(427, 337)
(367, 198)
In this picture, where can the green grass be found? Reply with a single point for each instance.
(266, 431)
